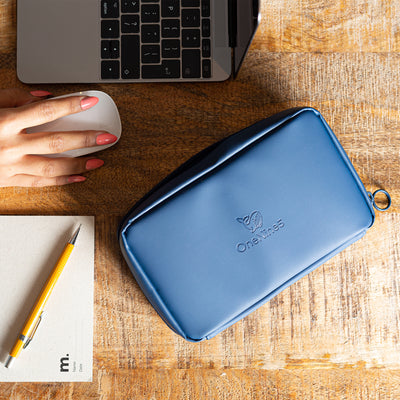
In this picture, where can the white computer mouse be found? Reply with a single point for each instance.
(103, 116)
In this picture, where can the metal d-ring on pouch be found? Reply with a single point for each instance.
(372, 198)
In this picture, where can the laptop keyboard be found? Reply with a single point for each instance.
(155, 39)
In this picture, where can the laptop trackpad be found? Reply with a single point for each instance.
(58, 41)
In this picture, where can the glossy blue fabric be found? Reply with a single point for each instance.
(242, 220)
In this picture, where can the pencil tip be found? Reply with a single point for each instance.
(9, 361)
(75, 235)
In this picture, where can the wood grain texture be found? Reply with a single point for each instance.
(335, 334)
(8, 25)
(330, 26)
(213, 384)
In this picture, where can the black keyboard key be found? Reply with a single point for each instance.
(110, 69)
(150, 33)
(206, 68)
(109, 29)
(105, 49)
(205, 8)
(114, 48)
(171, 68)
(190, 18)
(109, 8)
(168, 69)
(150, 1)
(191, 63)
(130, 24)
(150, 54)
(130, 6)
(150, 13)
(151, 72)
(170, 8)
(205, 27)
(206, 48)
(190, 3)
(130, 56)
(171, 48)
(170, 28)
(190, 37)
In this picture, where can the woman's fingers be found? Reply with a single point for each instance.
(10, 98)
(40, 181)
(39, 171)
(58, 142)
(21, 155)
(53, 167)
(44, 111)
(42, 94)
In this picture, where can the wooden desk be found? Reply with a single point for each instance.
(333, 335)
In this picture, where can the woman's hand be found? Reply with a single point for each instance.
(19, 163)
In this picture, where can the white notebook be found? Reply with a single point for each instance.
(62, 348)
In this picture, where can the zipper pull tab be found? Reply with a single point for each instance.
(372, 198)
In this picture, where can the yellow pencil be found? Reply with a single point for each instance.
(35, 315)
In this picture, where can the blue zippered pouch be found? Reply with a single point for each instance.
(244, 219)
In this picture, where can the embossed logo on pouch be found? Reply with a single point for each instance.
(254, 223)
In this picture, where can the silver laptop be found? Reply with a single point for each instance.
(72, 41)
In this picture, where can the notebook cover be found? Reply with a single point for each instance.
(62, 347)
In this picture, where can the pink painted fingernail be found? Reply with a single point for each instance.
(76, 178)
(88, 102)
(106, 138)
(40, 93)
(94, 163)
